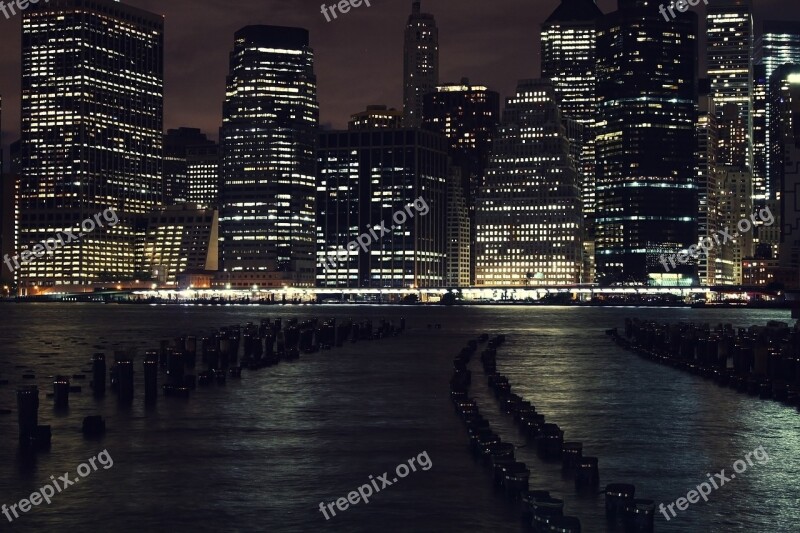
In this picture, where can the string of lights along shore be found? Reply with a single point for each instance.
(643, 133)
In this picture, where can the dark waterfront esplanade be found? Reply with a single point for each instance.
(268, 141)
(647, 90)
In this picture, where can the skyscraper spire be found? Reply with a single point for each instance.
(421, 63)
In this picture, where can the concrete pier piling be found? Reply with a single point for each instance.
(761, 361)
(124, 366)
(619, 497)
(587, 474)
(150, 377)
(99, 375)
(27, 412)
(94, 426)
(61, 392)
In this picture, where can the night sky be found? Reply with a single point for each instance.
(359, 56)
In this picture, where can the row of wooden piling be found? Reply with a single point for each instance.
(761, 361)
(541, 511)
(259, 345)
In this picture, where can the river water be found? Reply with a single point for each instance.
(262, 453)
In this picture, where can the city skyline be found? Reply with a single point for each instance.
(628, 86)
(485, 50)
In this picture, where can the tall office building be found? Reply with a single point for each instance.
(458, 272)
(268, 143)
(645, 140)
(735, 204)
(708, 192)
(468, 116)
(202, 175)
(177, 142)
(760, 132)
(92, 104)
(366, 183)
(420, 63)
(785, 167)
(730, 69)
(782, 96)
(778, 44)
(569, 40)
(529, 222)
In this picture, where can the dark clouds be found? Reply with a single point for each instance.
(359, 57)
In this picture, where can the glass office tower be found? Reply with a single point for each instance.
(92, 105)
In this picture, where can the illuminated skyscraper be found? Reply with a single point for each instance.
(569, 39)
(645, 140)
(420, 63)
(177, 143)
(468, 116)
(730, 69)
(202, 174)
(92, 99)
(785, 144)
(760, 131)
(529, 222)
(735, 204)
(367, 179)
(268, 142)
(708, 192)
(778, 44)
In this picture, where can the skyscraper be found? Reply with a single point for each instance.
(177, 143)
(92, 104)
(645, 141)
(760, 131)
(420, 63)
(708, 192)
(529, 222)
(778, 44)
(784, 162)
(202, 174)
(730, 69)
(268, 143)
(366, 177)
(735, 204)
(569, 40)
(468, 116)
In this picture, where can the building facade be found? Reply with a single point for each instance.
(777, 45)
(91, 135)
(177, 143)
(730, 69)
(367, 180)
(569, 42)
(735, 204)
(180, 239)
(468, 116)
(268, 145)
(708, 191)
(645, 141)
(202, 175)
(529, 223)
